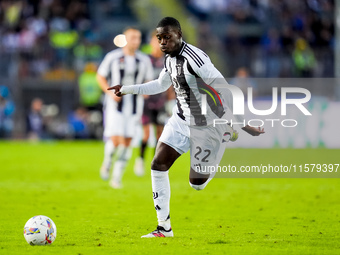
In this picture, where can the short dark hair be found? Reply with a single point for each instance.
(169, 21)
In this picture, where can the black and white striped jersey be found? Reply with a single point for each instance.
(193, 75)
(198, 84)
(126, 70)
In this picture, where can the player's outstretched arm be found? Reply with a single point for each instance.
(253, 130)
(149, 88)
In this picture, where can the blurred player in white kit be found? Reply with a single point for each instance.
(125, 66)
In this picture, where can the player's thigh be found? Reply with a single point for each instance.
(126, 141)
(146, 132)
(116, 140)
(172, 143)
(159, 130)
(164, 157)
(206, 149)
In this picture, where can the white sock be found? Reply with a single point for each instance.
(123, 155)
(118, 170)
(161, 196)
(109, 150)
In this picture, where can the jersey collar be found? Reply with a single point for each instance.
(180, 51)
(182, 48)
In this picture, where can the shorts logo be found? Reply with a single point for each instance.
(197, 166)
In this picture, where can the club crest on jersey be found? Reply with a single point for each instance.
(179, 69)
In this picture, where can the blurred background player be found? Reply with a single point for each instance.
(35, 123)
(89, 91)
(7, 110)
(78, 121)
(303, 58)
(243, 80)
(154, 112)
(124, 66)
(91, 99)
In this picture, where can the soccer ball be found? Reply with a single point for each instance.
(40, 230)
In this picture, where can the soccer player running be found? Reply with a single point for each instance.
(126, 66)
(185, 66)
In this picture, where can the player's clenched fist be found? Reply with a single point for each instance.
(116, 90)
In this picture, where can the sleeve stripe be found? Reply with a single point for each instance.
(195, 54)
(193, 58)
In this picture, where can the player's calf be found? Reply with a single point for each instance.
(198, 186)
(197, 180)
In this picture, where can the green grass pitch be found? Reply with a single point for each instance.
(231, 216)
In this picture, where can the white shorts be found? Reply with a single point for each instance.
(119, 123)
(206, 143)
(176, 134)
(207, 146)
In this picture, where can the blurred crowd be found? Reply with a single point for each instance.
(270, 37)
(55, 38)
(40, 38)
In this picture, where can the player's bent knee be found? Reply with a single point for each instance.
(158, 165)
